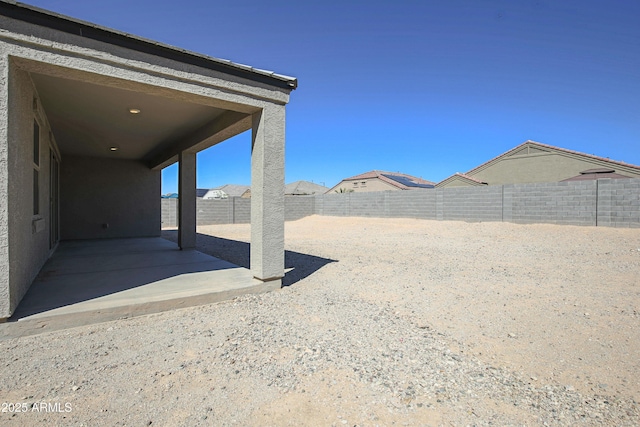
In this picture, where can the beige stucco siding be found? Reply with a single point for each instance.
(548, 167)
(456, 183)
(364, 186)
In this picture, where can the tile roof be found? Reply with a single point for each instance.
(470, 178)
(234, 190)
(463, 176)
(304, 187)
(591, 175)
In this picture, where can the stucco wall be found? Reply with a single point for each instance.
(29, 247)
(4, 189)
(371, 184)
(121, 193)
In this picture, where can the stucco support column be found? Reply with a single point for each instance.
(267, 194)
(187, 200)
(5, 292)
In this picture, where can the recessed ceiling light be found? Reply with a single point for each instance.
(113, 148)
(134, 110)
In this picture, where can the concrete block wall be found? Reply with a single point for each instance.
(379, 204)
(411, 204)
(333, 204)
(367, 204)
(471, 203)
(296, 207)
(606, 202)
(568, 203)
(619, 203)
(210, 212)
(614, 203)
(234, 210)
(169, 212)
(241, 210)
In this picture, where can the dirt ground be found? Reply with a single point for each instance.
(559, 303)
(381, 322)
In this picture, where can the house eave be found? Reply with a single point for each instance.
(48, 19)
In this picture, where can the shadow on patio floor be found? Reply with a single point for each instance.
(238, 252)
(105, 274)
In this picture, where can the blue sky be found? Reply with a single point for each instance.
(427, 88)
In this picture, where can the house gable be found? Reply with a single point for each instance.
(536, 162)
(459, 180)
(380, 181)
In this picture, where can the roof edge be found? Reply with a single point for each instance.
(554, 148)
(66, 24)
(463, 177)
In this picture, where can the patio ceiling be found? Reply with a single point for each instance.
(88, 119)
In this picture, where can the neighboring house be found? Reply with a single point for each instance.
(380, 181)
(236, 190)
(90, 116)
(170, 196)
(304, 188)
(532, 162)
(228, 190)
(460, 180)
(200, 192)
(215, 194)
(591, 174)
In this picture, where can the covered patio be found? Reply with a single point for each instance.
(91, 116)
(89, 281)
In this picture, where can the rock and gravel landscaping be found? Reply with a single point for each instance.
(382, 322)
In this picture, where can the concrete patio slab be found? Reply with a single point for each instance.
(92, 281)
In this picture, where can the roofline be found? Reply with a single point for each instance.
(551, 147)
(55, 21)
(463, 177)
(381, 172)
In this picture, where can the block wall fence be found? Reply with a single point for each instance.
(605, 202)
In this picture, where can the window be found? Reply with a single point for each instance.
(355, 184)
(36, 168)
(363, 183)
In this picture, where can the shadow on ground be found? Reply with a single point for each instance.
(238, 252)
(87, 270)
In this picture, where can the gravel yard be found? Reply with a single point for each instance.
(383, 322)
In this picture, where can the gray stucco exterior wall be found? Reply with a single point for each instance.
(5, 309)
(103, 195)
(26, 233)
(92, 195)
